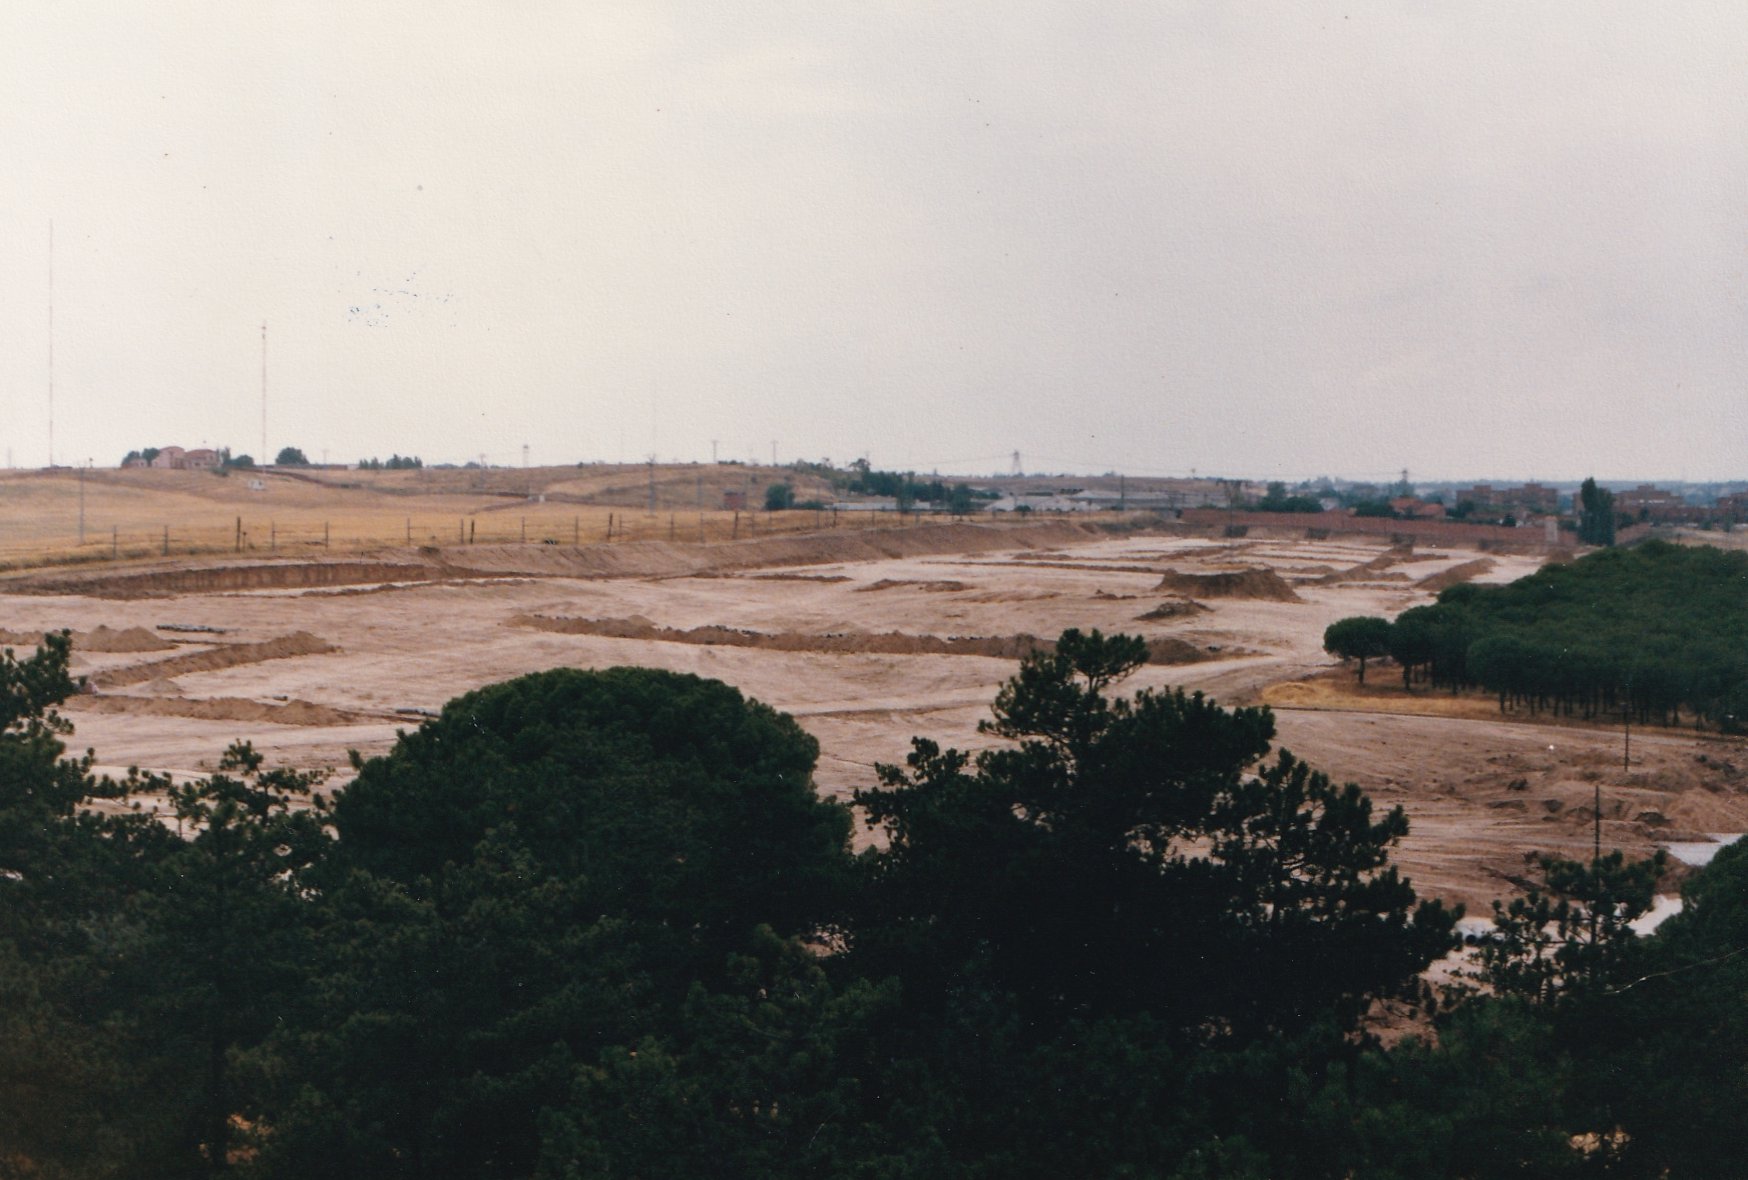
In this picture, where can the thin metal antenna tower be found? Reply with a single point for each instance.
(51, 342)
(713, 452)
(1016, 463)
(264, 458)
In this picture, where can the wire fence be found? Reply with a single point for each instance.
(260, 536)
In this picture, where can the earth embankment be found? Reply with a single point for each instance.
(607, 560)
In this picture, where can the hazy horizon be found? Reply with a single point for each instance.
(1273, 241)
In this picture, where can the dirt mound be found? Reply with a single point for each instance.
(230, 655)
(1176, 608)
(796, 577)
(213, 579)
(1011, 647)
(101, 638)
(999, 596)
(1373, 570)
(607, 560)
(1246, 583)
(1457, 574)
(108, 639)
(1177, 651)
(298, 712)
(20, 638)
(941, 587)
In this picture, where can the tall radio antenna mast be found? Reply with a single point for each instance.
(51, 342)
(264, 459)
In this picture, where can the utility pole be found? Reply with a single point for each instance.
(773, 452)
(82, 504)
(1627, 735)
(264, 459)
(713, 452)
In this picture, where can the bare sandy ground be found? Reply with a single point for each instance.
(310, 671)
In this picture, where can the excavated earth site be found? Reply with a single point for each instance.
(867, 640)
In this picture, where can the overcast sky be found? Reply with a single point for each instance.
(1495, 240)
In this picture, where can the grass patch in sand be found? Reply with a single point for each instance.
(1340, 692)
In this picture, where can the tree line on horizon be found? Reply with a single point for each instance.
(600, 923)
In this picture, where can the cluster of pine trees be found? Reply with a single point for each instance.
(600, 923)
(392, 463)
(1657, 631)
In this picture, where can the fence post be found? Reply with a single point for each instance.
(670, 526)
(273, 535)
(525, 530)
(460, 531)
(166, 540)
(609, 526)
(114, 542)
(471, 526)
(409, 530)
(734, 533)
(576, 530)
(239, 534)
(325, 538)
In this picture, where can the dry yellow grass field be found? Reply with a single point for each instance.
(67, 515)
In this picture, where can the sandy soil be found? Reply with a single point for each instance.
(309, 665)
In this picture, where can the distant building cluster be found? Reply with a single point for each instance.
(177, 459)
(1531, 498)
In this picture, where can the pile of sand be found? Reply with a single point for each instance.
(1456, 575)
(1011, 647)
(100, 638)
(1173, 608)
(165, 580)
(1375, 570)
(108, 639)
(786, 577)
(940, 587)
(298, 712)
(230, 655)
(1246, 583)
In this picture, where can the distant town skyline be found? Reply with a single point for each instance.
(1485, 242)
